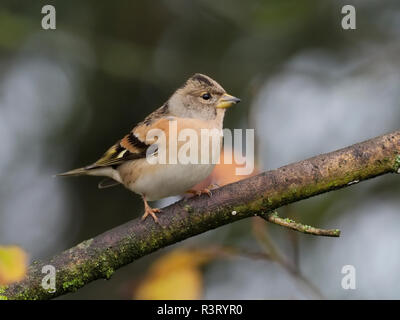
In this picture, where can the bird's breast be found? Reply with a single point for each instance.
(157, 181)
(178, 166)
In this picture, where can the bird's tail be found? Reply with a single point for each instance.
(74, 173)
(112, 179)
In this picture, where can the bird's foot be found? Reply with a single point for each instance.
(151, 211)
(203, 191)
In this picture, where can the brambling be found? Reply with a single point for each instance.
(199, 104)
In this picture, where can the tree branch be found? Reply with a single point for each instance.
(101, 256)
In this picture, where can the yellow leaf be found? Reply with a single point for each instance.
(180, 284)
(13, 264)
(181, 258)
(175, 276)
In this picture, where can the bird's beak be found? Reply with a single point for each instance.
(227, 101)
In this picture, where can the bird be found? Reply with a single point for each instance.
(200, 103)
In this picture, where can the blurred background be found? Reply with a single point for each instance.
(307, 87)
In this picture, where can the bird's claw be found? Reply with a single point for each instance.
(151, 211)
(200, 192)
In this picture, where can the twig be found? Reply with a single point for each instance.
(291, 224)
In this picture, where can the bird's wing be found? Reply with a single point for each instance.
(134, 145)
(128, 148)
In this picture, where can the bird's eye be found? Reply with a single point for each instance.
(206, 96)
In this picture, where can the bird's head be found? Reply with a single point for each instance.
(200, 96)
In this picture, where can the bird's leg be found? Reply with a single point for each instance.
(203, 191)
(149, 210)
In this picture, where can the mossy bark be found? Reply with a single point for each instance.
(101, 256)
